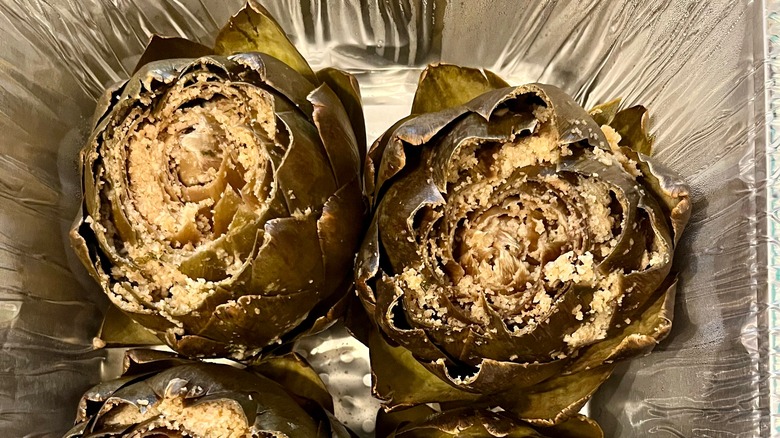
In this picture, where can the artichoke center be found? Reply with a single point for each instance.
(521, 232)
(507, 247)
(183, 172)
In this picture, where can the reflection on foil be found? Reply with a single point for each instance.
(9, 310)
(342, 362)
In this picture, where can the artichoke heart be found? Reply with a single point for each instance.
(222, 187)
(520, 245)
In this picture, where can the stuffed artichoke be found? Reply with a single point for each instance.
(222, 191)
(424, 422)
(162, 395)
(519, 247)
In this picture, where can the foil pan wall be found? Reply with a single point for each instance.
(702, 68)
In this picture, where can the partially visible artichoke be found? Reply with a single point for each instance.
(162, 395)
(222, 191)
(424, 422)
(519, 247)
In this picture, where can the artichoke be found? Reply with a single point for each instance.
(223, 198)
(163, 395)
(519, 247)
(424, 422)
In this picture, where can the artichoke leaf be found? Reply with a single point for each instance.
(443, 86)
(604, 113)
(367, 265)
(393, 321)
(400, 380)
(639, 337)
(578, 426)
(142, 361)
(415, 131)
(493, 376)
(632, 125)
(424, 422)
(347, 89)
(668, 187)
(327, 312)
(297, 377)
(83, 240)
(289, 259)
(102, 108)
(199, 346)
(306, 157)
(333, 124)
(120, 330)
(554, 400)
(253, 29)
(283, 80)
(258, 316)
(337, 430)
(641, 284)
(162, 47)
(388, 423)
(373, 158)
(337, 245)
(397, 213)
(225, 211)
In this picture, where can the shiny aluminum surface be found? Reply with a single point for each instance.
(705, 70)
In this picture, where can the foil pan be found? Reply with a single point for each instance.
(705, 69)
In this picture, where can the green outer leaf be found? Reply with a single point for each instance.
(387, 423)
(119, 330)
(578, 426)
(639, 337)
(290, 257)
(340, 228)
(253, 29)
(443, 86)
(670, 189)
(604, 113)
(493, 376)
(338, 138)
(297, 377)
(163, 47)
(257, 320)
(424, 422)
(347, 89)
(305, 156)
(632, 125)
(555, 400)
(400, 380)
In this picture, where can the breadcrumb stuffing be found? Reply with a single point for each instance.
(602, 308)
(613, 140)
(211, 419)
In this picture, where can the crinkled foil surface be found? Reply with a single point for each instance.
(703, 68)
